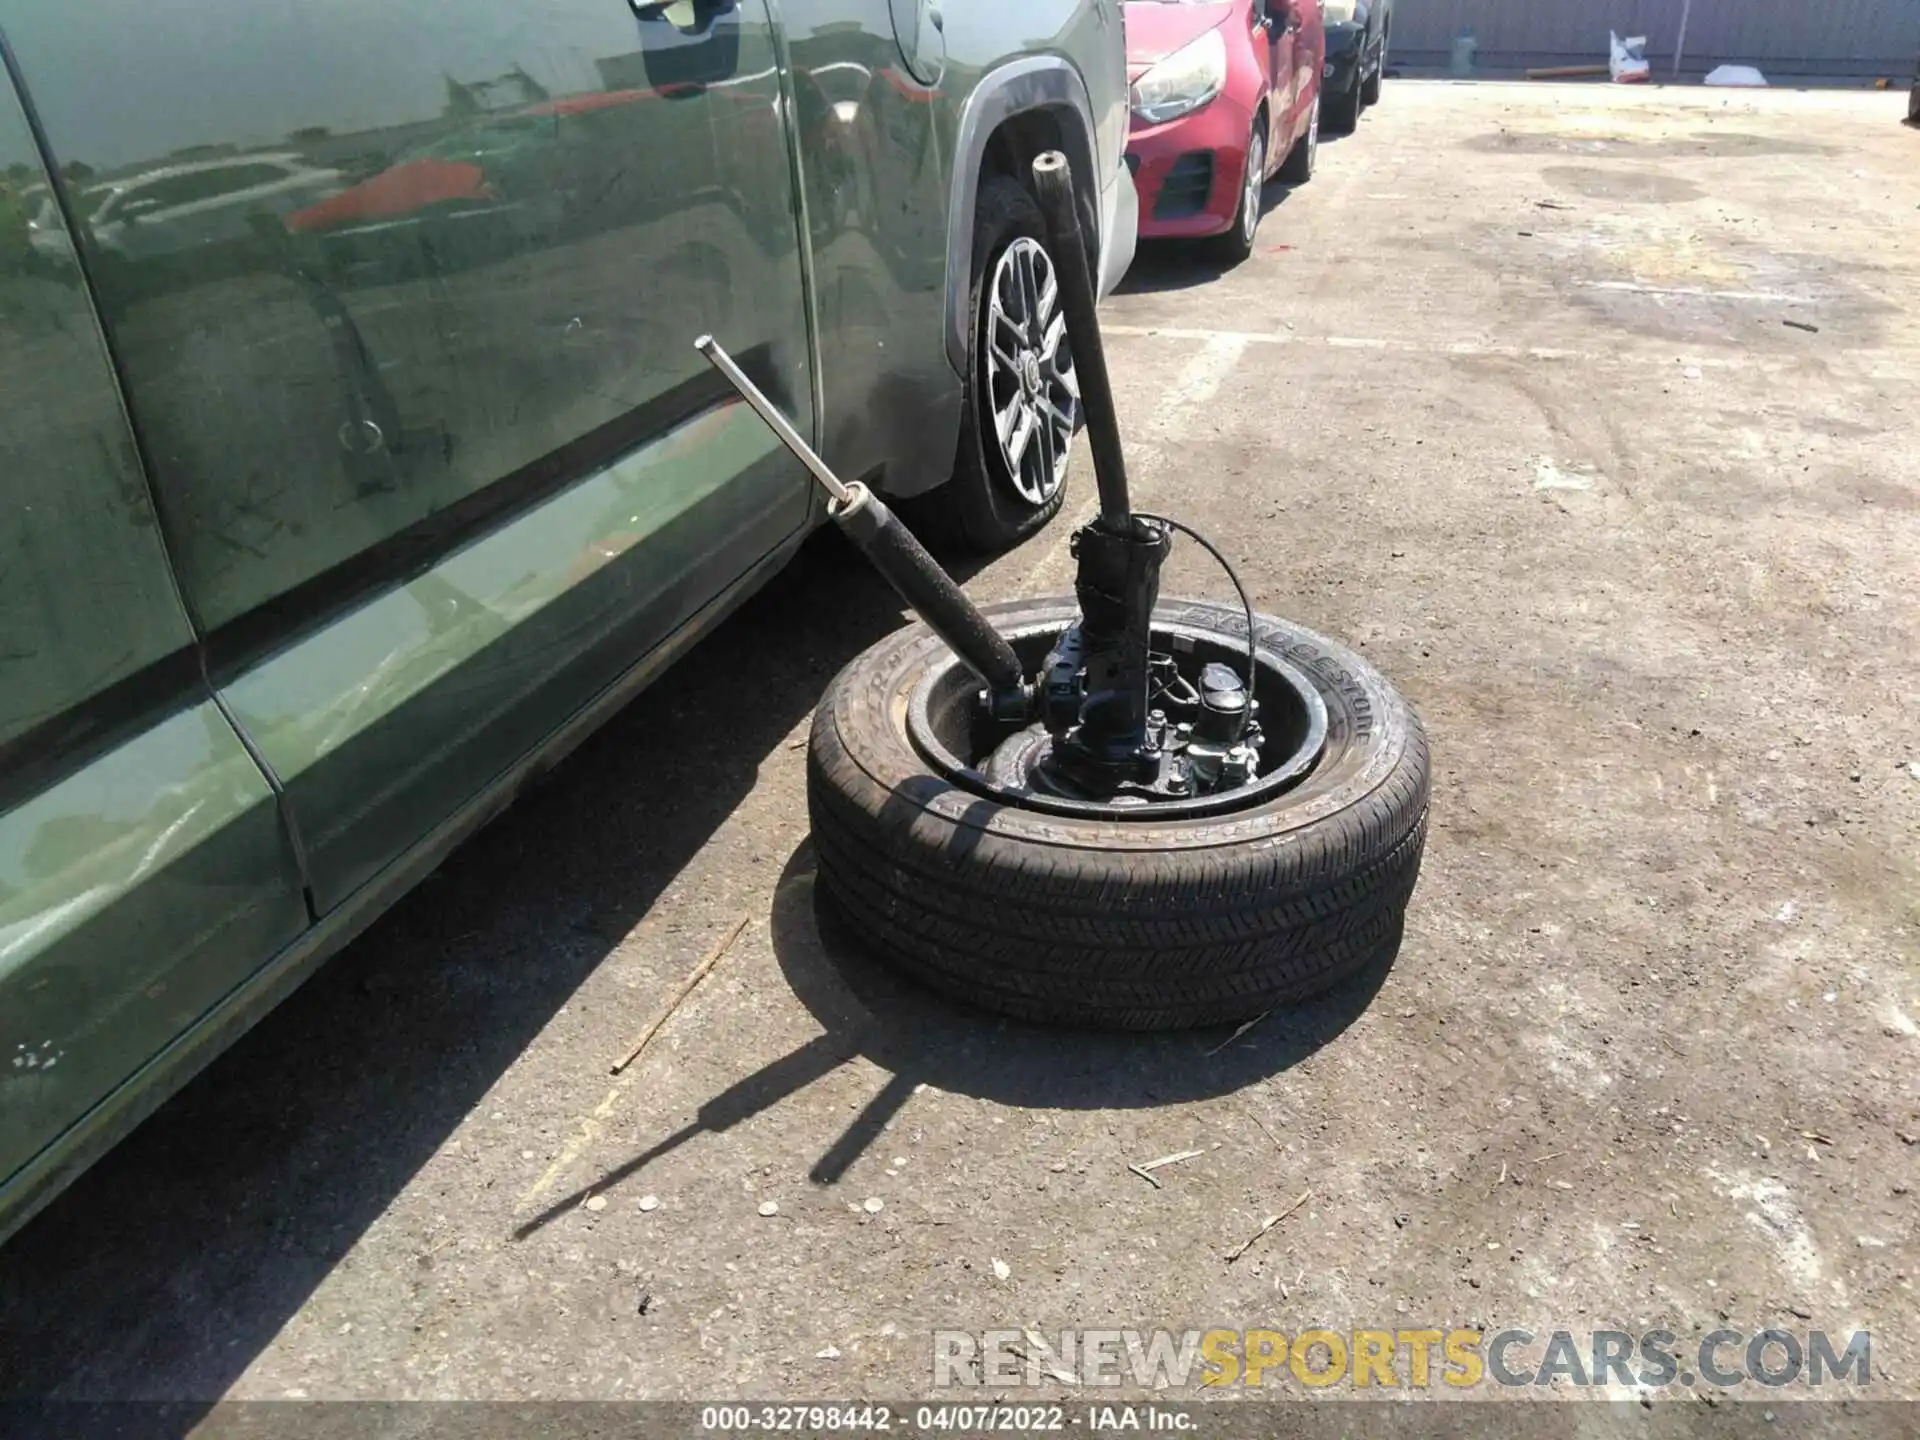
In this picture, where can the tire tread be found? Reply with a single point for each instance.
(1078, 934)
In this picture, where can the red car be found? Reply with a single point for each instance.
(1224, 93)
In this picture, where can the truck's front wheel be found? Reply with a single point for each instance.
(1022, 396)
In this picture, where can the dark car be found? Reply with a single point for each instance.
(1357, 36)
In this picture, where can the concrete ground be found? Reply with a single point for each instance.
(1592, 417)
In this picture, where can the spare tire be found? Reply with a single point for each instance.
(1133, 920)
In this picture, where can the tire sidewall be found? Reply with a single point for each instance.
(1256, 140)
(1373, 741)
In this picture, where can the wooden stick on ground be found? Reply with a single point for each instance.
(1566, 72)
(1263, 1129)
(1146, 1175)
(1238, 1033)
(1145, 1172)
(686, 989)
(1272, 1220)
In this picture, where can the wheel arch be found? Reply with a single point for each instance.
(1035, 103)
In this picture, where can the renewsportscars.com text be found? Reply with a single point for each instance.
(1401, 1358)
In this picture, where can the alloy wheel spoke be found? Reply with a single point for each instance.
(1030, 290)
(1006, 417)
(1015, 332)
(1023, 436)
(1045, 477)
(1054, 352)
(1048, 298)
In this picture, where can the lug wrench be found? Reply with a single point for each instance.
(865, 520)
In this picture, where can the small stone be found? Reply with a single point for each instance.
(649, 1202)
(873, 1205)
(597, 1204)
(1800, 1312)
(1058, 1167)
(832, 1352)
(1001, 1270)
(769, 1207)
(526, 1154)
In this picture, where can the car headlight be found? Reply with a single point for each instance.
(1338, 12)
(1183, 82)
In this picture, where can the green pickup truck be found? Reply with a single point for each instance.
(355, 458)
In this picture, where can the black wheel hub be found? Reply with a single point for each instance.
(1016, 764)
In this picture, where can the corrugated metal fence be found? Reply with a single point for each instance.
(1783, 37)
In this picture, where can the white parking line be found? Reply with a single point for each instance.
(1423, 347)
(1198, 382)
(1634, 287)
(1341, 342)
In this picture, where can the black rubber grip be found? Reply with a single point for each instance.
(1053, 184)
(931, 592)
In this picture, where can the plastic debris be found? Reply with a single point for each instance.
(1466, 47)
(1628, 62)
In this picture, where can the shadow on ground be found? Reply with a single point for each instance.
(199, 1238)
(922, 1038)
(1164, 265)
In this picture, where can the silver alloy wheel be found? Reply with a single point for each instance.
(1255, 183)
(1033, 393)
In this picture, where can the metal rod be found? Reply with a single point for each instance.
(1680, 44)
(901, 560)
(1053, 181)
(766, 410)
